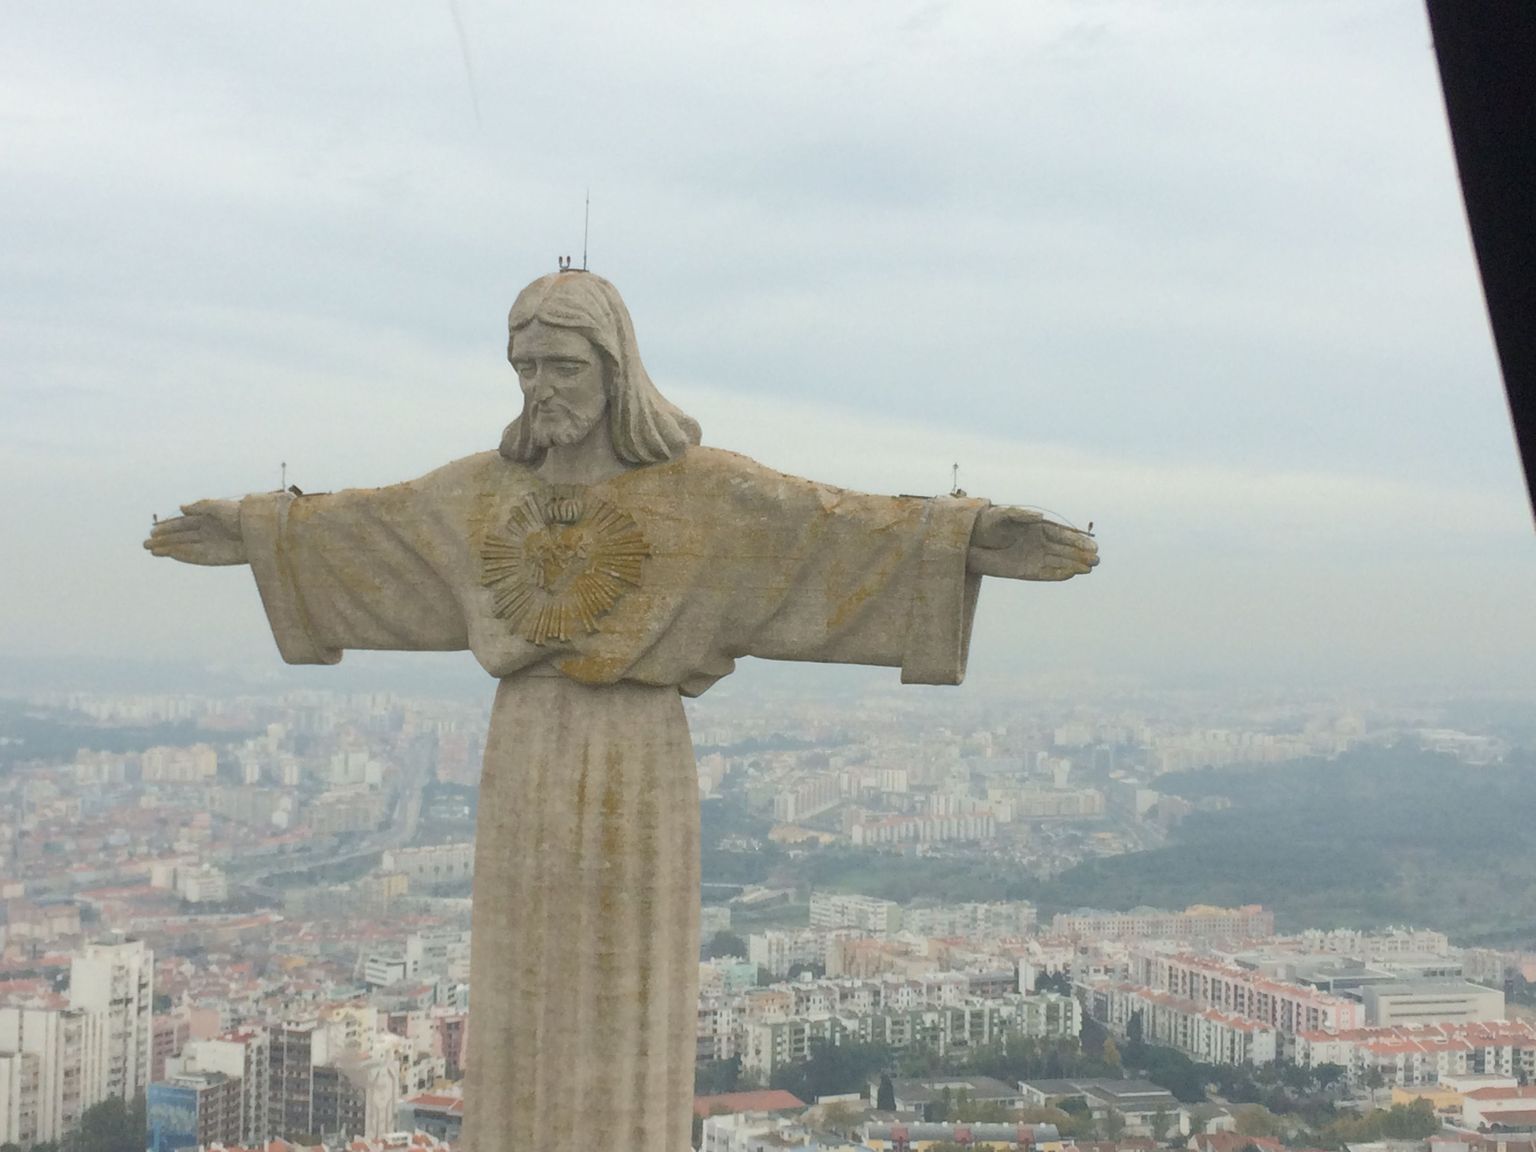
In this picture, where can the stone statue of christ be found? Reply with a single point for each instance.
(601, 564)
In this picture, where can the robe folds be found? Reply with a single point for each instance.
(596, 607)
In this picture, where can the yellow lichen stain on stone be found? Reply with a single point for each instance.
(581, 800)
(850, 605)
(612, 838)
(482, 511)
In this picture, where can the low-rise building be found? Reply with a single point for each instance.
(1145, 1106)
(920, 1095)
(1430, 1002)
(1425, 1054)
(920, 1137)
(439, 1114)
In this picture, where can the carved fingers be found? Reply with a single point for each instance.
(207, 533)
(1018, 544)
(998, 526)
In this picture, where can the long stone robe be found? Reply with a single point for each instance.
(595, 608)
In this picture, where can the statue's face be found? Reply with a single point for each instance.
(561, 375)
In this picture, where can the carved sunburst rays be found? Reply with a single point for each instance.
(563, 562)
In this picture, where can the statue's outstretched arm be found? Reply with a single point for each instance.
(362, 568)
(207, 532)
(1021, 544)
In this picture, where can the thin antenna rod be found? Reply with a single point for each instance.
(586, 223)
(469, 72)
(282, 483)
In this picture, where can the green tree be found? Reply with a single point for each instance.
(983, 1112)
(937, 1111)
(1256, 1120)
(1374, 1080)
(1076, 1125)
(1415, 1121)
(1111, 1053)
(111, 1126)
(1135, 1029)
(1113, 1124)
(832, 1069)
(1053, 982)
(1327, 1075)
(1162, 1124)
(885, 1097)
(711, 1077)
(724, 944)
(841, 1118)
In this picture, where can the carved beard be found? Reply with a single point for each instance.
(558, 426)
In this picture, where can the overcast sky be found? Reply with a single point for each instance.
(1196, 271)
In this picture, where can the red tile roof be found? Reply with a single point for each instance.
(1234, 1142)
(1524, 1117)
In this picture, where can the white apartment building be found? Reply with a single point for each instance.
(872, 830)
(194, 765)
(830, 910)
(243, 1056)
(433, 864)
(20, 1087)
(779, 951)
(438, 951)
(1212, 983)
(203, 885)
(115, 984)
(47, 1076)
(807, 797)
(767, 1045)
(1368, 946)
(1203, 1034)
(1057, 804)
(1425, 1054)
(1198, 922)
(717, 1028)
(1010, 918)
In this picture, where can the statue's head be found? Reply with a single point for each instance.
(577, 322)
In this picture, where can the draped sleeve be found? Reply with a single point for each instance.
(866, 579)
(763, 564)
(363, 568)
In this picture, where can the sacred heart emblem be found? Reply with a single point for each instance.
(557, 556)
(563, 562)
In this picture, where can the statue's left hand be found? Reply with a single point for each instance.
(1018, 544)
(207, 532)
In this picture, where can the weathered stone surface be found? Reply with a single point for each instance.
(599, 564)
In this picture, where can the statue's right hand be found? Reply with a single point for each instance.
(207, 532)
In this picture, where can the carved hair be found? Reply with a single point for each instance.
(647, 428)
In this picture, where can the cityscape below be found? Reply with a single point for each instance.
(1153, 920)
